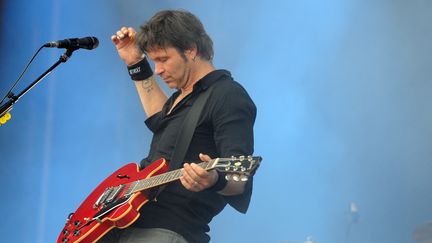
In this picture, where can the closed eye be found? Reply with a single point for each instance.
(161, 59)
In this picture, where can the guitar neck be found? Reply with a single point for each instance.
(164, 178)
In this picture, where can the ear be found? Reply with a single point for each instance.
(191, 53)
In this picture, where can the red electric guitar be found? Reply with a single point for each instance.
(117, 200)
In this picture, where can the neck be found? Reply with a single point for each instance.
(197, 72)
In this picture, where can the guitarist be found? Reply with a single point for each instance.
(182, 52)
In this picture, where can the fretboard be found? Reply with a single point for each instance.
(164, 178)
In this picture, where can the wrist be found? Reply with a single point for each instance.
(220, 183)
(141, 70)
(134, 59)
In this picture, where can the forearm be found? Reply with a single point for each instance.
(233, 188)
(151, 95)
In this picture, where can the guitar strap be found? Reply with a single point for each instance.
(186, 132)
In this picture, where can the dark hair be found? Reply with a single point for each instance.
(175, 28)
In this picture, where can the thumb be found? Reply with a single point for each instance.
(204, 157)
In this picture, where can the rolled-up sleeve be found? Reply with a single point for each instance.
(233, 121)
(153, 122)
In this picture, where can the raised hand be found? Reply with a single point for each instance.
(126, 45)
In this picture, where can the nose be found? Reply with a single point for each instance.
(158, 68)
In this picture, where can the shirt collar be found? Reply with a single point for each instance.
(205, 82)
(210, 79)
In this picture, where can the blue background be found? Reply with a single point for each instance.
(343, 90)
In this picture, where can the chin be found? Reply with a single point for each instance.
(171, 86)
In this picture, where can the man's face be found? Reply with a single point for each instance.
(171, 66)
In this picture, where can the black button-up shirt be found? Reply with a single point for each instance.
(224, 129)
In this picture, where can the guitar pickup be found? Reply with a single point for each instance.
(114, 193)
(103, 197)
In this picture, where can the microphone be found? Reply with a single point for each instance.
(88, 43)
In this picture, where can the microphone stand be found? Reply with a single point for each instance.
(4, 109)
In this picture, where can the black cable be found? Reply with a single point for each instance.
(19, 78)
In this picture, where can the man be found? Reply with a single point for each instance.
(182, 52)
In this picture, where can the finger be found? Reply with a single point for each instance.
(204, 157)
(206, 178)
(190, 184)
(203, 177)
(197, 187)
(197, 174)
(185, 183)
(124, 30)
(190, 179)
(120, 35)
(187, 177)
(192, 173)
(131, 32)
(115, 39)
(200, 172)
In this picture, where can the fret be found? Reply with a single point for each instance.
(153, 181)
(169, 176)
(138, 186)
(176, 174)
(162, 178)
